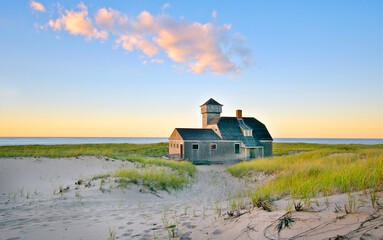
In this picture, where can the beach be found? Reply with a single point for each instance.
(41, 198)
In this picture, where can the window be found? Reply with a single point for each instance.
(213, 146)
(247, 132)
(177, 145)
(195, 146)
(236, 148)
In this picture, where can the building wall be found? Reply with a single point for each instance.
(209, 112)
(267, 148)
(225, 152)
(175, 148)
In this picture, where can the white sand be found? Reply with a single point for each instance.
(29, 210)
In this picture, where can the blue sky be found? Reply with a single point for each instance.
(316, 70)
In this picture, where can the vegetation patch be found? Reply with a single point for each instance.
(316, 170)
(76, 150)
(159, 178)
(153, 172)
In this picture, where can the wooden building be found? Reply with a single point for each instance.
(221, 139)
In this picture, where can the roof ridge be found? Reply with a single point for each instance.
(211, 101)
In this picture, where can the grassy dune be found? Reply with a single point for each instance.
(156, 178)
(56, 151)
(310, 170)
(165, 175)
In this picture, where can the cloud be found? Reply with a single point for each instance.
(129, 42)
(166, 6)
(111, 20)
(77, 23)
(37, 6)
(200, 47)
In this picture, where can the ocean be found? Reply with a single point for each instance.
(143, 140)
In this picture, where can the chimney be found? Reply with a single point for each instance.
(239, 113)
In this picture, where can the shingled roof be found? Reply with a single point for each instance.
(229, 128)
(197, 134)
(211, 101)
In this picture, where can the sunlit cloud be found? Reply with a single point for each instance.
(202, 47)
(77, 23)
(111, 20)
(37, 6)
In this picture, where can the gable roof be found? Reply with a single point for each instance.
(229, 128)
(211, 101)
(260, 131)
(197, 134)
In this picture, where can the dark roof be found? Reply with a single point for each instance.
(211, 102)
(249, 141)
(229, 128)
(243, 125)
(197, 134)
(260, 131)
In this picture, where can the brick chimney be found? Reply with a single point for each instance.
(239, 113)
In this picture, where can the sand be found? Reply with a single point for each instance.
(31, 206)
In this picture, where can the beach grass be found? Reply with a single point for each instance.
(304, 171)
(76, 150)
(167, 174)
(156, 178)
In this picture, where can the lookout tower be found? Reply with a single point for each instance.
(210, 110)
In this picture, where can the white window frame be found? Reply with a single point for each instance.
(216, 147)
(193, 146)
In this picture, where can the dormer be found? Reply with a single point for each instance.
(246, 130)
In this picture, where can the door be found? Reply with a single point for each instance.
(252, 153)
(182, 151)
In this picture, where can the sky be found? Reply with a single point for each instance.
(306, 69)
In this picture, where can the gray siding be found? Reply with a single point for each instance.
(225, 152)
(267, 149)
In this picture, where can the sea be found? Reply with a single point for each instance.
(4, 141)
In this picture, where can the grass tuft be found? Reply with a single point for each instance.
(304, 171)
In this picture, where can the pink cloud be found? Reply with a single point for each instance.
(200, 47)
(109, 19)
(77, 23)
(37, 6)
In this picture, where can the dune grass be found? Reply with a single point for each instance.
(158, 178)
(75, 150)
(167, 174)
(181, 166)
(312, 170)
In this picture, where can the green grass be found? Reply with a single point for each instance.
(75, 150)
(309, 170)
(181, 166)
(155, 178)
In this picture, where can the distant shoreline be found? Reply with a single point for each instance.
(11, 141)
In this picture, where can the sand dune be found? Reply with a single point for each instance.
(31, 207)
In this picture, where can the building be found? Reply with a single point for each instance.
(221, 139)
